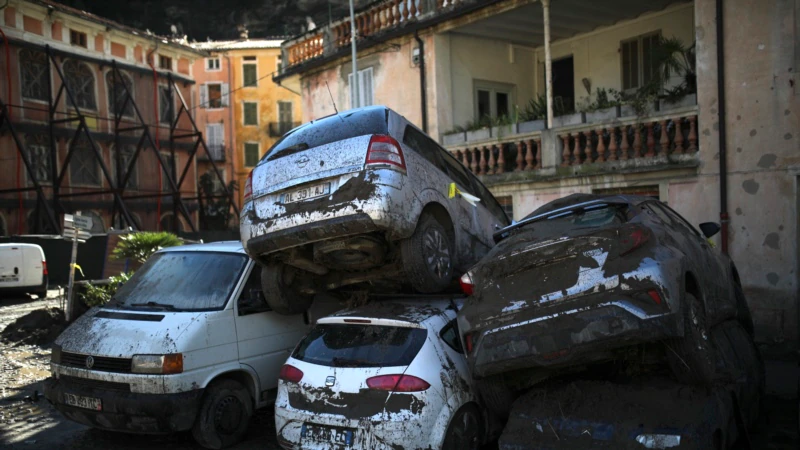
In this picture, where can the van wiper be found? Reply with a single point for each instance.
(156, 304)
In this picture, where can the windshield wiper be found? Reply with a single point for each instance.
(155, 304)
(344, 362)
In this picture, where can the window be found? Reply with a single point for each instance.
(77, 38)
(166, 106)
(37, 147)
(217, 184)
(164, 62)
(638, 60)
(449, 336)
(98, 226)
(215, 140)
(214, 95)
(365, 94)
(84, 168)
(168, 223)
(423, 145)
(250, 71)
(492, 99)
(80, 81)
(646, 191)
(251, 154)
(250, 113)
(33, 72)
(118, 86)
(212, 65)
(507, 203)
(677, 218)
(278, 63)
(168, 171)
(125, 158)
(251, 299)
(284, 117)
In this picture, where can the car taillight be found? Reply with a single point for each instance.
(44, 267)
(655, 296)
(248, 187)
(290, 374)
(466, 283)
(468, 342)
(384, 149)
(397, 383)
(632, 237)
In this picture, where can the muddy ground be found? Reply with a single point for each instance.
(27, 421)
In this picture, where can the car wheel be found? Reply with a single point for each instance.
(428, 256)
(280, 289)
(743, 310)
(224, 415)
(497, 397)
(465, 430)
(692, 358)
(748, 364)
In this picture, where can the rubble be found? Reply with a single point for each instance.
(39, 327)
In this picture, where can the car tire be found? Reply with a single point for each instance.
(465, 430)
(428, 256)
(224, 415)
(692, 358)
(280, 291)
(496, 396)
(743, 310)
(748, 363)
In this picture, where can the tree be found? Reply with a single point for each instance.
(142, 245)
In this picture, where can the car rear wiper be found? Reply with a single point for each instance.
(288, 151)
(344, 362)
(155, 304)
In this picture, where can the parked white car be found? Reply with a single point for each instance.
(187, 343)
(23, 269)
(390, 374)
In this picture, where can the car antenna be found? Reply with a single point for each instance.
(332, 102)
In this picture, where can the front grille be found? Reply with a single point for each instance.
(101, 363)
(98, 384)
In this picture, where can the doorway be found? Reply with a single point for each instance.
(563, 86)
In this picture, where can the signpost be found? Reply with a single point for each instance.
(76, 227)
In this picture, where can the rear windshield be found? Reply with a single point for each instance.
(596, 216)
(182, 281)
(360, 345)
(330, 129)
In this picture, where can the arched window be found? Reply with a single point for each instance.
(37, 146)
(116, 84)
(80, 82)
(120, 224)
(33, 74)
(98, 226)
(37, 223)
(126, 153)
(84, 168)
(168, 223)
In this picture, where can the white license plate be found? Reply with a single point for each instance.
(298, 195)
(9, 280)
(83, 402)
(334, 435)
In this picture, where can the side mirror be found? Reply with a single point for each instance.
(709, 228)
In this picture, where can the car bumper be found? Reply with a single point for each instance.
(126, 411)
(585, 332)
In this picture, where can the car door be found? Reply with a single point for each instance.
(265, 338)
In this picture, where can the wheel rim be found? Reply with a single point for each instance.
(465, 433)
(228, 415)
(437, 253)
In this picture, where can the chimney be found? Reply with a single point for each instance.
(243, 33)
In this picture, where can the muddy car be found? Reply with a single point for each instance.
(585, 277)
(387, 375)
(363, 198)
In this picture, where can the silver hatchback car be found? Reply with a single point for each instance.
(366, 201)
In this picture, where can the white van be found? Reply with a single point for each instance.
(23, 269)
(187, 343)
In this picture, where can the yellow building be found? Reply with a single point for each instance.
(261, 110)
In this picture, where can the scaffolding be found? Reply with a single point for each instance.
(49, 208)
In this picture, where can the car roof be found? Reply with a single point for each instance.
(222, 246)
(577, 199)
(411, 309)
(13, 244)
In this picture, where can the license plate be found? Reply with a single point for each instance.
(298, 195)
(83, 402)
(9, 280)
(332, 435)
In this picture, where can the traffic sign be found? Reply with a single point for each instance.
(77, 221)
(69, 233)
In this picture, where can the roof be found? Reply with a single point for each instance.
(406, 309)
(245, 44)
(223, 246)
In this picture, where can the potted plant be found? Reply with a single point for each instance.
(603, 108)
(455, 136)
(532, 118)
(479, 130)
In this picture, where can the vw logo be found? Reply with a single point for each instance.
(89, 362)
(302, 161)
(330, 381)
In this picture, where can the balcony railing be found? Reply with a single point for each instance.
(278, 129)
(217, 152)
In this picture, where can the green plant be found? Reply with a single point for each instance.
(673, 58)
(140, 246)
(535, 109)
(100, 294)
(604, 98)
(215, 208)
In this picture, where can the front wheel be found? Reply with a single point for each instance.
(464, 431)
(279, 284)
(428, 256)
(224, 415)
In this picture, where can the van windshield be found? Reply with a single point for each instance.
(182, 281)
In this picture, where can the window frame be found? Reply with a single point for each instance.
(244, 152)
(83, 38)
(165, 62)
(250, 61)
(208, 90)
(244, 113)
(112, 108)
(207, 64)
(125, 159)
(91, 73)
(493, 87)
(161, 89)
(452, 325)
(361, 83)
(73, 161)
(46, 156)
(44, 75)
(167, 157)
(639, 58)
(255, 274)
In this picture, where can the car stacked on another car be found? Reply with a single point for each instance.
(388, 375)
(362, 198)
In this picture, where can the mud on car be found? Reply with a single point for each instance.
(585, 277)
(363, 197)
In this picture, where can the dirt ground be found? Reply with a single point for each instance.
(27, 421)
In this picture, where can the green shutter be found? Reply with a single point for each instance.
(250, 113)
(250, 154)
(250, 77)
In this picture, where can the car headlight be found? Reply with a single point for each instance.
(160, 364)
(55, 354)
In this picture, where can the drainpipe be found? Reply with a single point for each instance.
(231, 122)
(158, 143)
(353, 37)
(422, 83)
(548, 63)
(723, 164)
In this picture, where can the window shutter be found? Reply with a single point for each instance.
(204, 96)
(353, 88)
(225, 94)
(366, 76)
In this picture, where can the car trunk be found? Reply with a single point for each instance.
(12, 265)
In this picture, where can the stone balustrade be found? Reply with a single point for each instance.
(501, 157)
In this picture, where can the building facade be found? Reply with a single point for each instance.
(82, 95)
(472, 73)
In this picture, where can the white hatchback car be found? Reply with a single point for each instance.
(390, 374)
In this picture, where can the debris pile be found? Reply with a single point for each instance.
(39, 327)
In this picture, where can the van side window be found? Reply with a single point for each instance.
(251, 299)
(449, 336)
(423, 145)
(489, 201)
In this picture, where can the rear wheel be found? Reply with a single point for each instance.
(497, 397)
(279, 283)
(224, 415)
(465, 430)
(743, 362)
(428, 256)
(692, 358)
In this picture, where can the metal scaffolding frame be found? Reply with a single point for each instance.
(53, 206)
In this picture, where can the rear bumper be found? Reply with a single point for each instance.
(127, 411)
(20, 289)
(580, 335)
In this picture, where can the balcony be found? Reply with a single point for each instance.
(278, 129)
(217, 153)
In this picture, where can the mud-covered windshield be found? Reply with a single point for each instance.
(360, 345)
(182, 281)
